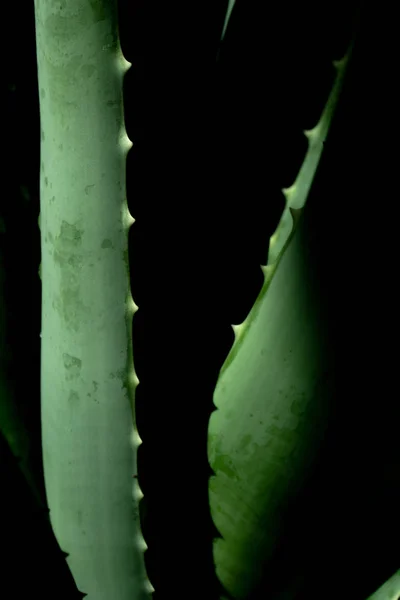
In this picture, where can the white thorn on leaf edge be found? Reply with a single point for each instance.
(237, 329)
(296, 195)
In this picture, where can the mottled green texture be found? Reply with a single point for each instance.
(87, 382)
(66, 254)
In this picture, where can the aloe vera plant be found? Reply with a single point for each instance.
(273, 392)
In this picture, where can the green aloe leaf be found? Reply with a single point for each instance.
(273, 392)
(87, 378)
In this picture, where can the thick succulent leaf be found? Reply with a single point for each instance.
(272, 395)
(87, 378)
(271, 399)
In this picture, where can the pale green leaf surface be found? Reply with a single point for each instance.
(87, 378)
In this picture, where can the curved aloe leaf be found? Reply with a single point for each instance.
(87, 377)
(273, 393)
